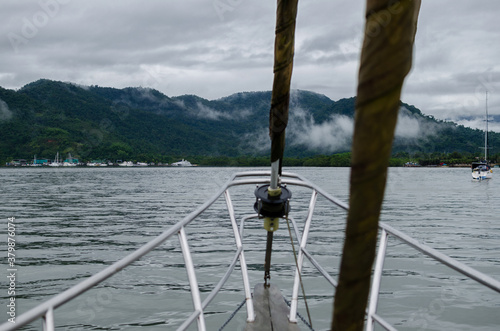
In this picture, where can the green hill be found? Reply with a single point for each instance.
(92, 122)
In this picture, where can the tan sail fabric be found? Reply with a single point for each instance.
(386, 59)
(283, 62)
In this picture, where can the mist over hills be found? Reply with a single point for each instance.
(92, 122)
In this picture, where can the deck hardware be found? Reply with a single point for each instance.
(272, 204)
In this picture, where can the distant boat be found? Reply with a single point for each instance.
(182, 163)
(69, 162)
(141, 164)
(482, 170)
(126, 164)
(57, 162)
(97, 163)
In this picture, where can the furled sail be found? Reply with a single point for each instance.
(283, 63)
(386, 59)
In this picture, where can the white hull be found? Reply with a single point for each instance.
(182, 163)
(56, 162)
(480, 175)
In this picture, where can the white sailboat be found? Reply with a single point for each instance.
(57, 162)
(482, 170)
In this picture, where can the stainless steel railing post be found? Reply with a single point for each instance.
(300, 258)
(243, 263)
(377, 277)
(193, 283)
(48, 320)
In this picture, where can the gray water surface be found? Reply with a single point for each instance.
(73, 222)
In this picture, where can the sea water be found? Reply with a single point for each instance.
(73, 222)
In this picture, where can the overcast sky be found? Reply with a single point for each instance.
(214, 48)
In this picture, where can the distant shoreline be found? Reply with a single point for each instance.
(220, 166)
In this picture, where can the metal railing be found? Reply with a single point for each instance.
(45, 310)
(426, 250)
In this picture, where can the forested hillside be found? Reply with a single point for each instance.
(92, 122)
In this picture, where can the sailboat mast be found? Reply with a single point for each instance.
(486, 132)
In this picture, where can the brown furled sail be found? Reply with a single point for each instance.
(286, 14)
(386, 59)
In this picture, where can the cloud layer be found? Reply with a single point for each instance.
(213, 48)
(335, 134)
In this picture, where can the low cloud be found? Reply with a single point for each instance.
(479, 123)
(258, 141)
(5, 112)
(141, 98)
(203, 111)
(84, 87)
(333, 135)
(410, 126)
(146, 93)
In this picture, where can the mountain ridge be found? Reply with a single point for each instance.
(93, 122)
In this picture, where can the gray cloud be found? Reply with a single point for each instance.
(214, 48)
